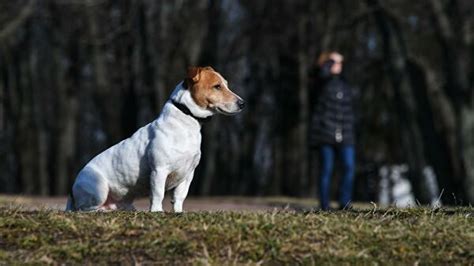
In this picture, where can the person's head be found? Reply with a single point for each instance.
(333, 58)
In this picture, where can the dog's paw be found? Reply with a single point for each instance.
(156, 209)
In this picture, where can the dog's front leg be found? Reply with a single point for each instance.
(157, 189)
(180, 193)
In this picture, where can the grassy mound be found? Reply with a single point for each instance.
(357, 236)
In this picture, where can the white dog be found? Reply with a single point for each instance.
(161, 155)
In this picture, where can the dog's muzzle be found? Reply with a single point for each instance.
(241, 104)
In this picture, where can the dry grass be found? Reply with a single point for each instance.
(358, 236)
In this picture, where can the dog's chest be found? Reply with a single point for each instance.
(183, 169)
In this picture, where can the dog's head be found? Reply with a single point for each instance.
(210, 91)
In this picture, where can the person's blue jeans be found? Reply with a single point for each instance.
(347, 156)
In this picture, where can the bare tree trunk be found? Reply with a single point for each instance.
(330, 28)
(19, 100)
(448, 160)
(39, 112)
(467, 129)
(212, 58)
(67, 105)
(159, 31)
(210, 151)
(396, 54)
(304, 108)
(25, 148)
(11, 27)
(461, 96)
(278, 162)
(10, 101)
(103, 95)
(65, 136)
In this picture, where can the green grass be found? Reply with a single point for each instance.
(358, 236)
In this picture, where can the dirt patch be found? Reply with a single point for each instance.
(190, 204)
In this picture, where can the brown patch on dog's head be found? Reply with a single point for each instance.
(193, 74)
(210, 90)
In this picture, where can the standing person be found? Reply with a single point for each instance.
(332, 128)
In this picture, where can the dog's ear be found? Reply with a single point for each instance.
(209, 68)
(192, 76)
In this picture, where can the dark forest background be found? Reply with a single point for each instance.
(79, 76)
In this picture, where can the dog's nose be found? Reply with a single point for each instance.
(241, 103)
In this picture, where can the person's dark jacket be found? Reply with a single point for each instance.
(333, 117)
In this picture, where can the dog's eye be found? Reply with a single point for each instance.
(217, 87)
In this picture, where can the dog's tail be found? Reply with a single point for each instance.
(71, 203)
